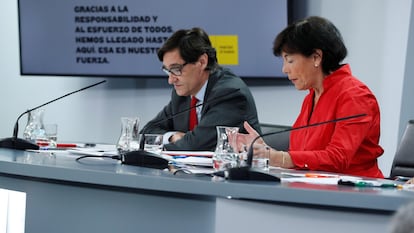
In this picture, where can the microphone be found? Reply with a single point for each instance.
(249, 173)
(21, 144)
(144, 158)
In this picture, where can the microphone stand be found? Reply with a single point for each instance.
(249, 173)
(22, 144)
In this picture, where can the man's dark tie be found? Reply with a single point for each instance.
(193, 113)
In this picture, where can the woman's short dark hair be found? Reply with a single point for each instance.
(191, 44)
(307, 35)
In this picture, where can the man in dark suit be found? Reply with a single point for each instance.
(191, 64)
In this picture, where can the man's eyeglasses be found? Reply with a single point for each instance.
(175, 69)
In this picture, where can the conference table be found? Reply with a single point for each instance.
(103, 195)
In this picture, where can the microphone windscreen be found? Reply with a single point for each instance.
(143, 158)
(247, 173)
(18, 143)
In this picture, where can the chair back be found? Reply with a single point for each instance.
(403, 164)
(278, 141)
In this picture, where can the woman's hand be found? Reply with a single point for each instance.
(243, 141)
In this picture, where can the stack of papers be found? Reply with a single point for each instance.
(98, 150)
(195, 158)
(208, 154)
(194, 162)
(333, 179)
(311, 178)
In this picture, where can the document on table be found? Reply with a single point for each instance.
(308, 180)
(313, 178)
(98, 150)
(208, 154)
(333, 179)
(195, 162)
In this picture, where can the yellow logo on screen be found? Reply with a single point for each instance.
(227, 48)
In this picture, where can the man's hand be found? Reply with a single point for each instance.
(175, 137)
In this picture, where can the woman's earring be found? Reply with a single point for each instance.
(316, 65)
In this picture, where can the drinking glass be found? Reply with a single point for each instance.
(128, 140)
(51, 131)
(225, 156)
(261, 160)
(153, 142)
(34, 129)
